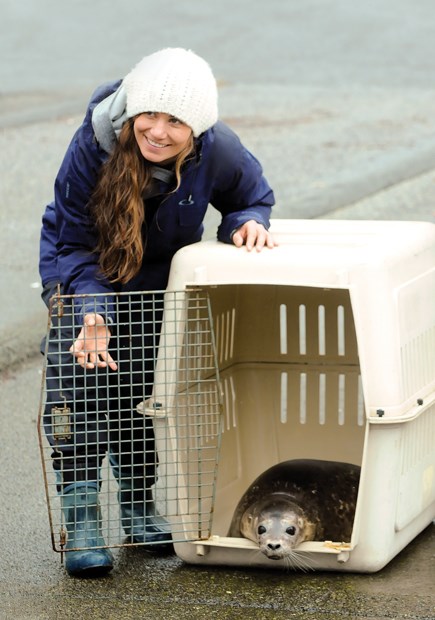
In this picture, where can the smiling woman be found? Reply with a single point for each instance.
(132, 190)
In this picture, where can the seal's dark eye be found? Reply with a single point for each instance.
(291, 531)
(261, 529)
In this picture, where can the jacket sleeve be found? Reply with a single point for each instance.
(242, 193)
(76, 235)
(47, 248)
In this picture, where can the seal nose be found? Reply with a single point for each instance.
(274, 547)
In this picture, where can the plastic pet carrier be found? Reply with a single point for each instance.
(325, 349)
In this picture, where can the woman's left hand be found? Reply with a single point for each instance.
(252, 234)
(91, 347)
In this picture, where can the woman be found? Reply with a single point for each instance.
(133, 188)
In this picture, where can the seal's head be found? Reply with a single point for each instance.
(277, 525)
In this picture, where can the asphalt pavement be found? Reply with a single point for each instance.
(337, 102)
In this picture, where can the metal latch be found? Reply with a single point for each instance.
(61, 422)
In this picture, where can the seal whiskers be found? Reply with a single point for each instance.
(297, 560)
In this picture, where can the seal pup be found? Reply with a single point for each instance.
(295, 501)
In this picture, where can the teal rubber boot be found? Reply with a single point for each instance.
(140, 518)
(83, 524)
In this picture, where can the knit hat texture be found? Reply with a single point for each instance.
(174, 81)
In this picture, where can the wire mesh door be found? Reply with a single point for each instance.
(142, 434)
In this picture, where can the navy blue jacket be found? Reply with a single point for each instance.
(223, 173)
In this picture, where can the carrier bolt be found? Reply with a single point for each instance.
(343, 557)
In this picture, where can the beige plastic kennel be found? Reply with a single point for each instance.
(325, 349)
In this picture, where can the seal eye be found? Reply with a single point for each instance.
(291, 531)
(261, 529)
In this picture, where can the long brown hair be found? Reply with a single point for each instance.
(118, 207)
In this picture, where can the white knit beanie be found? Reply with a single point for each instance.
(177, 82)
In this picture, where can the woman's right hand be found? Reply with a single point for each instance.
(91, 347)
